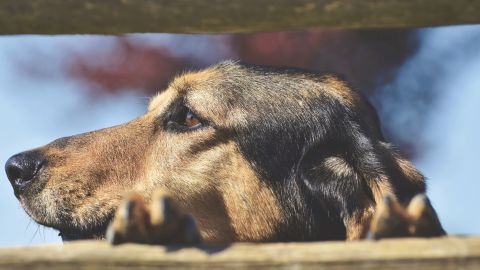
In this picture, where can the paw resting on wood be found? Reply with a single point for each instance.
(160, 222)
(418, 219)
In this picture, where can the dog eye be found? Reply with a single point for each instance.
(182, 119)
(191, 120)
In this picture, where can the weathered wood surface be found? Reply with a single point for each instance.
(439, 253)
(206, 16)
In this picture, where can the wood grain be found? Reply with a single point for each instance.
(437, 253)
(208, 16)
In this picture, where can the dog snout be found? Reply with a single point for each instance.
(22, 168)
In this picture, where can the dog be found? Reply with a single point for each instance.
(231, 153)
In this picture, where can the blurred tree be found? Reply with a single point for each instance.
(367, 58)
(128, 66)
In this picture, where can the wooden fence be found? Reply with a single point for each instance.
(207, 16)
(437, 253)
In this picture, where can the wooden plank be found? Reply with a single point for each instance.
(207, 16)
(438, 253)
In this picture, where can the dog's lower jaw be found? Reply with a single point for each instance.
(94, 230)
(97, 233)
(66, 225)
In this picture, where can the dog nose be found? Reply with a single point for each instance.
(22, 168)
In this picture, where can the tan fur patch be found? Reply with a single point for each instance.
(359, 223)
(255, 211)
(409, 170)
(386, 212)
(338, 166)
(193, 80)
(219, 176)
(381, 187)
(162, 99)
(340, 90)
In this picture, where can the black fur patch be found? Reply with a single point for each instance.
(290, 138)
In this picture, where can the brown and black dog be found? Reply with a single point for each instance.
(251, 153)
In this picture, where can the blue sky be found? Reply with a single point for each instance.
(34, 110)
(447, 62)
(37, 110)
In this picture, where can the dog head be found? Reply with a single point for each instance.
(254, 154)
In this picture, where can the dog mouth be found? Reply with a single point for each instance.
(96, 233)
(93, 231)
(70, 229)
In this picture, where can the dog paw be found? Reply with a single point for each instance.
(392, 219)
(159, 223)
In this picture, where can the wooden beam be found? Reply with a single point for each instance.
(438, 253)
(208, 16)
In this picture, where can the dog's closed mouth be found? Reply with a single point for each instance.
(97, 233)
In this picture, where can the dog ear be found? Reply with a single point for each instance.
(352, 180)
(395, 177)
(334, 184)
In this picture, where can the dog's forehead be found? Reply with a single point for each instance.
(184, 85)
(230, 92)
(205, 93)
(161, 100)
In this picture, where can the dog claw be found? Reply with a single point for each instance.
(390, 220)
(160, 223)
(130, 223)
(393, 220)
(169, 225)
(425, 222)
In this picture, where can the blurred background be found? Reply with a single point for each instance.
(425, 84)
